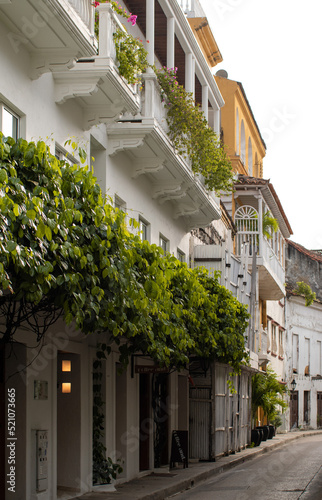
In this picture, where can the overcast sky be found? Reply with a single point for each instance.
(274, 49)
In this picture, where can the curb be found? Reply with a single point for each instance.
(202, 476)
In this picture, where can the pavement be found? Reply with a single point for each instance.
(163, 484)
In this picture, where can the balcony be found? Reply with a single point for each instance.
(55, 33)
(262, 342)
(233, 272)
(250, 239)
(256, 201)
(95, 83)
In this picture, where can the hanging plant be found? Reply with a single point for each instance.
(131, 56)
(191, 135)
(130, 52)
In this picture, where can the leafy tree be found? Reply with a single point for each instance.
(267, 393)
(65, 251)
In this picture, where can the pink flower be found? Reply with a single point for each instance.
(96, 3)
(132, 19)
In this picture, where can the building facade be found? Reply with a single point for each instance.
(61, 83)
(304, 337)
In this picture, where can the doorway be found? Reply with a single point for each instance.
(319, 409)
(68, 422)
(161, 419)
(146, 427)
(294, 409)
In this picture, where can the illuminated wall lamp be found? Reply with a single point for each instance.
(66, 365)
(66, 388)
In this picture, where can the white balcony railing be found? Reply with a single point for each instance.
(192, 8)
(85, 10)
(271, 260)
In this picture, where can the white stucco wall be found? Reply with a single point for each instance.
(306, 322)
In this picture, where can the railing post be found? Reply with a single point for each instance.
(106, 42)
(150, 81)
(260, 225)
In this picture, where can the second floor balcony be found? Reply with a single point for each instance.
(266, 252)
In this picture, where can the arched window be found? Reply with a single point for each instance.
(237, 132)
(250, 157)
(246, 220)
(242, 143)
(256, 166)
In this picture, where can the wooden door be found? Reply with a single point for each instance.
(146, 427)
(319, 409)
(294, 409)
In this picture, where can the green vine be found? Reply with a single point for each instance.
(104, 469)
(130, 52)
(131, 55)
(191, 134)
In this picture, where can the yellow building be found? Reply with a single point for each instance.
(240, 132)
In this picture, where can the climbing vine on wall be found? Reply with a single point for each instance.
(191, 134)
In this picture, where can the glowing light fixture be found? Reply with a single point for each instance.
(66, 388)
(66, 365)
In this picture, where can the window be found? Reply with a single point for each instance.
(164, 243)
(306, 356)
(295, 352)
(119, 203)
(9, 123)
(274, 343)
(63, 155)
(144, 230)
(280, 344)
(181, 256)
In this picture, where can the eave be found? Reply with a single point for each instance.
(206, 40)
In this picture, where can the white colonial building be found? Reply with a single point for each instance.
(58, 82)
(303, 361)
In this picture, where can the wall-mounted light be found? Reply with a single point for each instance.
(66, 365)
(66, 388)
(293, 384)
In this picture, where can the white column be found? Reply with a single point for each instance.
(170, 42)
(189, 73)
(150, 32)
(106, 43)
(205, 100)
(260, 224)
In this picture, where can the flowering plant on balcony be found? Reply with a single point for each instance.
(191, 135)
(130, 53)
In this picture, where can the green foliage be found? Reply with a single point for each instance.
(61, 243)
(305, 290)
(191, 135)
(131, 56)
(104, 469)
(267, 393)
(270, 225)
(130, 52)
(277, 420)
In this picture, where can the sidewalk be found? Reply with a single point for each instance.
(159, 486)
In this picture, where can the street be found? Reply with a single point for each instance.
(291, 473)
